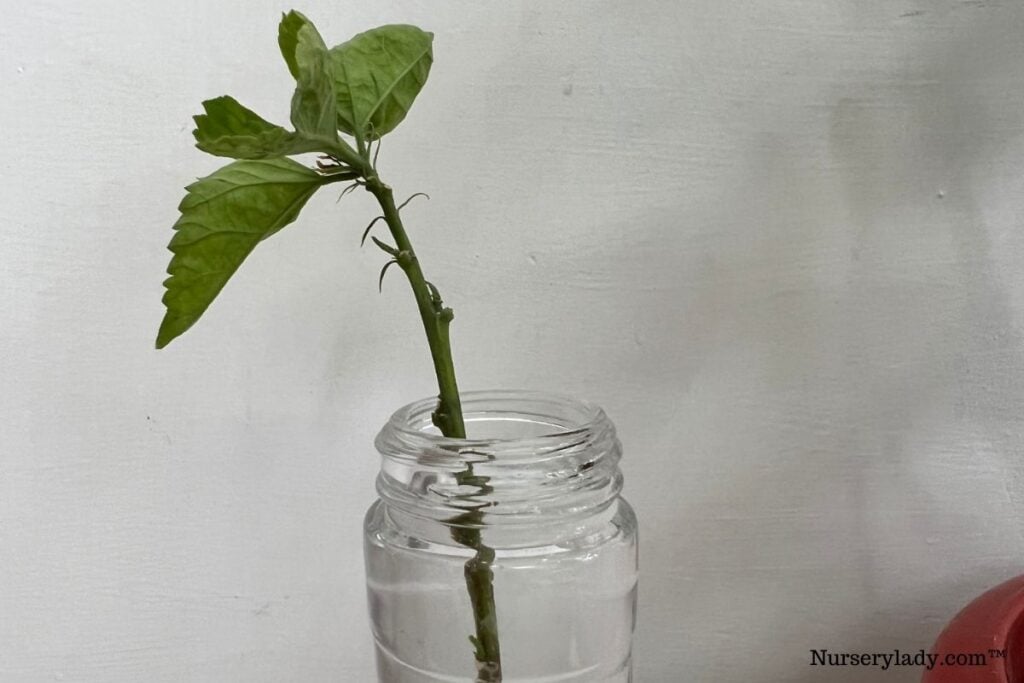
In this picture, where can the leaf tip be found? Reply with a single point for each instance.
(163, 337)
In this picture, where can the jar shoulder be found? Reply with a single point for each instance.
(625, 518)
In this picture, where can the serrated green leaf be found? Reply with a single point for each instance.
(228, 129)
(377, 75)
(223, 217)
(288, 38)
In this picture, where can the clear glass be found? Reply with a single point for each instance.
(565, 542)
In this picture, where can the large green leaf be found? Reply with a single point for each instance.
(377, 75)
(223, 217)
(228, 129)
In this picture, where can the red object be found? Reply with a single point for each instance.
(992, 625)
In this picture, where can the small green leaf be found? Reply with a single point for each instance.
(228, 129)
(223, 217)
(313, 104)
(377, 75)
(288, 38)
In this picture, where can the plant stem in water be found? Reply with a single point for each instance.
(447, 417)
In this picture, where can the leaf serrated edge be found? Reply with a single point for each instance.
(169, 326)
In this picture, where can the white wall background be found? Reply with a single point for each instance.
(780, 241)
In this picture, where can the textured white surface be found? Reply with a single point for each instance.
(781, 242)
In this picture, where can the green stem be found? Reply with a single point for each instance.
(436, 317)
(447, 417)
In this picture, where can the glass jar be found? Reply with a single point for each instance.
(527, 507)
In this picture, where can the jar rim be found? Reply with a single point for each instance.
(409, 430)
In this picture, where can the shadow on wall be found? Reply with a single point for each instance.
(955, 359)
(878, 377)
(953, 322)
